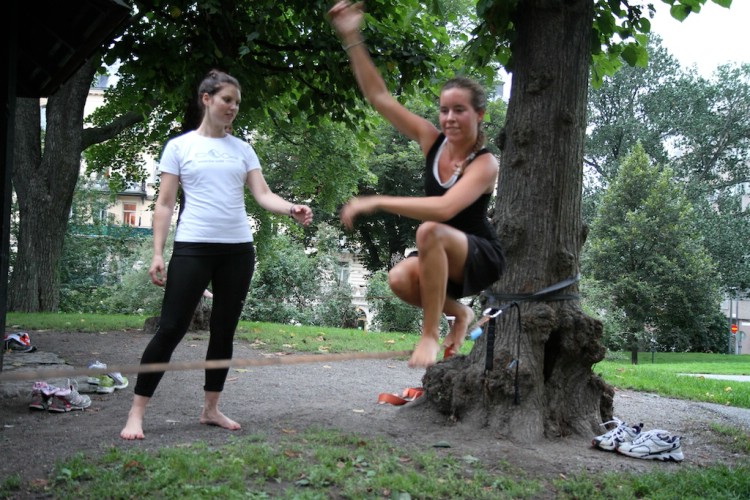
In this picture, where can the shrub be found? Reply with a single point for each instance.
(391, 314)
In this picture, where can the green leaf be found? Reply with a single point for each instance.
(680, 12)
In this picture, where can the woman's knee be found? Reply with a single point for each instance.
(403, 279)
(428, 234)
(397, 280)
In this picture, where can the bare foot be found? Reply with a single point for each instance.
(457, 334)
(217, 418)
(133, 428)
(424, 353)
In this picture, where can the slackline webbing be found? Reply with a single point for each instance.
(43, 374)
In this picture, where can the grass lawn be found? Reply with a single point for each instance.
(325, 464)
(664, 373)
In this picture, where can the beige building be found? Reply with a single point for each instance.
(132, 206)
(353, 272)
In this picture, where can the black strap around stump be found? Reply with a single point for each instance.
(549, 293)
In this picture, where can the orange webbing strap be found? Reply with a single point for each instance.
(408, 395)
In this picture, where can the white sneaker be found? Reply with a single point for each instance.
(654, 445)
(94, 379)
(68, 398)
(107, 383)
(623, 433)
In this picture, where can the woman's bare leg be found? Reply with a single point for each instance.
(442, 254)
(464, 316)
(134, 426)
(212, 416)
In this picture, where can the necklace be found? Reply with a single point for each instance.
(458, 168)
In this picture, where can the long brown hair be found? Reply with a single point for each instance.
(479, 103)
(213, 82)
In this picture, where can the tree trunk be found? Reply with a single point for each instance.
(538, 217)
(44, 182)
(633, 348)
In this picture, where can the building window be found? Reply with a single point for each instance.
(129, 217)
(343, 272)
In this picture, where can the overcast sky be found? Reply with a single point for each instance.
(712, 37)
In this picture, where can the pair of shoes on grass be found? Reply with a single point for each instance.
(58, 399)
(629, 440)
(108, 382)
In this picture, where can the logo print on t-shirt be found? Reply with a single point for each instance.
(215, 155)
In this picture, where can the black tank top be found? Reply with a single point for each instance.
(472, 219)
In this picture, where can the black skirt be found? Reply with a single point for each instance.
(485, 263)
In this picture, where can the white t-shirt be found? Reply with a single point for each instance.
(213, 173)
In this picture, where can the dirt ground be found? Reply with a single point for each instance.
(275, 400)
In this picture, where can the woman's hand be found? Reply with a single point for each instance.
(302, 214)
(355, 207)
(156, 271)
(347, 19)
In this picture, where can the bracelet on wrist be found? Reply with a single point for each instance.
(291, 211)
(353, 44)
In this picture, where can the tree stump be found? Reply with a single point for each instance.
(201, 317)
(200, 321)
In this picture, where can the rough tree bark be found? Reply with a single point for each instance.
(44, 177)
(44, 181)
(538, 217)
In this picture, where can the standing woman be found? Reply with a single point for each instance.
(213, 242)
(459, 253)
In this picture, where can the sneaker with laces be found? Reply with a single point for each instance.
(41, 393)
(104, 384)
(654, 445)
(120, 381)
(108, 382)
(67, 399)
(94, 379)
(18, 342)
(623, 433)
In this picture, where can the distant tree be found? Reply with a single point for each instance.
(319, 165)
(725, 226)
(645, 249)
(390, 313)
(700, 127)
(628, 109)
(96, 253)
(134, 293)
(285, 285)
(333, 305)
(711, 138)
(396, 165)
(713, 160)
(597, 301)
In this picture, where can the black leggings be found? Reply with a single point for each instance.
(187, 278)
